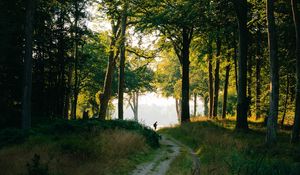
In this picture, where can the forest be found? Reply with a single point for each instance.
(64, 62)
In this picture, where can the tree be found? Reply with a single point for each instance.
(114, 50)
(27, 75)
(217, 78)
(122, 61)
(176, 22)
(274, 68)
(296, 127)
(242, 106)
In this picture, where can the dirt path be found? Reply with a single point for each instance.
(161, 163)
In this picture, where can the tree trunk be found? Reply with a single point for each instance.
(195, 104)
(235, 67)
(241, 9)
(286, 100)
(105, 96)
(210, 77)
(122, 64)
(76, 83)
(249, 85)
(185, 62)
(178, 111)
(206, 105)
(68, 93)
(296, 127)
(134, 105)
(274, 95)
(27, 75)
(226, 88)
(136, 114)
(257, 75)
(217, 79)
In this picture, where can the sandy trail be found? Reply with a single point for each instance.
(161, 163)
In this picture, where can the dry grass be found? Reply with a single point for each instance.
(112, 152)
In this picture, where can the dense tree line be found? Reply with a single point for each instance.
(241, 57)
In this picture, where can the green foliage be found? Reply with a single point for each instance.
(87, 128)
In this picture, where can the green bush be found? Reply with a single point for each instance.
(89, 128)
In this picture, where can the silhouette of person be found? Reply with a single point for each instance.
(155, 125)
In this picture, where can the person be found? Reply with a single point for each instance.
(155, 125)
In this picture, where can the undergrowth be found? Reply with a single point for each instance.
(222, 150)
(76, 147)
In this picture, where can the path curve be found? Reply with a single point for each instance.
(161, 163)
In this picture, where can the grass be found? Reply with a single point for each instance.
(78, 148)
(222, 150)
(182, 165)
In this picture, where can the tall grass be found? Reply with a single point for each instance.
(80, 147)
(222, 150)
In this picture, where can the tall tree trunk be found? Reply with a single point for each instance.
(235, 68)
(241, 10)
(136, 113)
(217, 79)
(286, 100)
(105, 96)
(185, 64)
(226, 88)
(257, 75)
(210, 79)
(206, 105)
(274, 95)
(68, 93)
(27, 75)
(76, 83)
(195, 104)
(249, 85)
(122, 64)
(296, 127)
